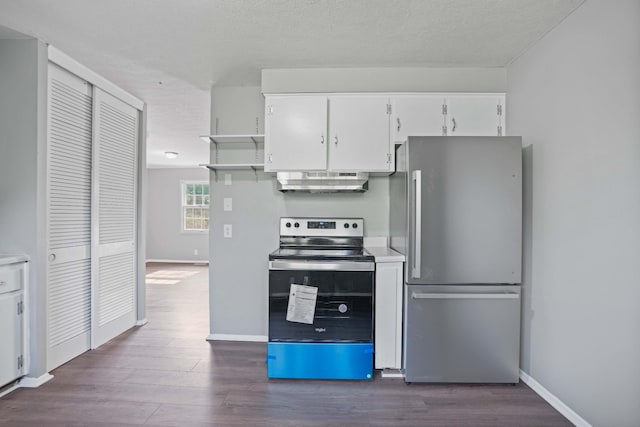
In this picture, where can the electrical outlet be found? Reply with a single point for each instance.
(195, 252)
(227, 179)
(228, 204)
(227, 231)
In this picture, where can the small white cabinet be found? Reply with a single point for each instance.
(388, 315)
(359, 134)
(12, 357)
(295, 133)
(473, 115)
(327, 133)
(417, 115)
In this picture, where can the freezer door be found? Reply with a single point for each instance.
(465, 210)
(467, 334)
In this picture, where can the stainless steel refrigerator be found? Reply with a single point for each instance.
(456, 214)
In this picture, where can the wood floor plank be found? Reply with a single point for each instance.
(166, 374)
(44, 411)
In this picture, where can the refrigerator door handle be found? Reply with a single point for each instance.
(417, 243)
(504, 295)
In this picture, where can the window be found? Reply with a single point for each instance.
(195, 206)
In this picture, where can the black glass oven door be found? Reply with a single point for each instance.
(343, 309)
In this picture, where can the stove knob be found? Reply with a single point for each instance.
(355, 225)
(288, 225)
(346, 225)
(296, 225)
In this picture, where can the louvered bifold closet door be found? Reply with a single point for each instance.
(69, 159)
(114, 215)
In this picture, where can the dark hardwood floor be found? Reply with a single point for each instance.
(166, 374)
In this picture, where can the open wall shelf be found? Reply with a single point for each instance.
(234, 139)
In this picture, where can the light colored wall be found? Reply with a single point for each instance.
(165, 239)
(384, 80)
(237, 110)
(238, 267)
(23, 76)
(575, 99)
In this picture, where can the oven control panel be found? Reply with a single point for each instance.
(335, 227)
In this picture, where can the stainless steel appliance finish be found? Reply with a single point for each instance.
(323, 182)
(456, 214)
(462, 333)
(463, 200)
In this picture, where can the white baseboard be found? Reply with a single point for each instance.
(569, 413)
(391, 373)
(180, 261)
(32, 382)
(142, 322)
(233, 337)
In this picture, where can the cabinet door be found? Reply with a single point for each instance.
(417, 115)
(473, 115)
(10, 337)
(295, 133)
(388, 317)
(69, 200)
(115, 141)
(359, 134)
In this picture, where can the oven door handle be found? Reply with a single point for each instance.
(321, 265)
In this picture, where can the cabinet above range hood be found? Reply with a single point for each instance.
(323, 182)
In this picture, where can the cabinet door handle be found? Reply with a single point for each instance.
(453, 120)
(336, 140)
(321, 139)
(398, 120)
(52, 257)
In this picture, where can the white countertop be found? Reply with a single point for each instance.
(12, 259)
(385, 254)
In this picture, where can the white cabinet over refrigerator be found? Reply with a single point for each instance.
(447, 114)
(475, 115)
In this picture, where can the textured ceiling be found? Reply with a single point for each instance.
(170, 52)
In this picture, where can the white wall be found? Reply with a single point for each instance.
(384, 80)
(575, 99)
(23, 86)
(165, 239)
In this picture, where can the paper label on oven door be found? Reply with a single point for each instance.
(302, 303)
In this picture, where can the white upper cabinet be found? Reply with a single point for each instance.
(295, 133)
(471, 115)
(359, 134)
(337, 133)
(417, 115)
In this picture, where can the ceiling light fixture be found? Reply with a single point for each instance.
(171, 154)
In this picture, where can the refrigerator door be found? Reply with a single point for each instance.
(462, 334)
(464, 210)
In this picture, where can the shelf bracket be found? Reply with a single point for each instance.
(255, 143)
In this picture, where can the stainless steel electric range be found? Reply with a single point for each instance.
(321, 286)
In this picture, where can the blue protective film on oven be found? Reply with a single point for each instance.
(338, 361)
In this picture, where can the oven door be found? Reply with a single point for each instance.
(344, 304)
